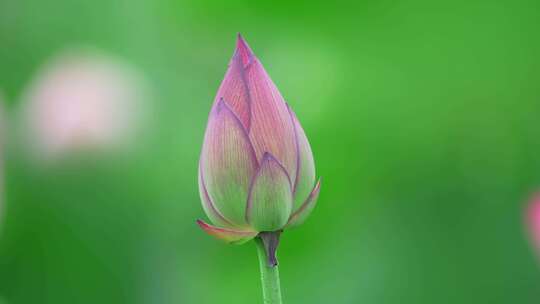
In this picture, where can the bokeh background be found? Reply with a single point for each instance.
(423, 117)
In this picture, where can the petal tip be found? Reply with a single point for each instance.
(227, 235)
(202, 224)
(318, 185)
(220, 104)
(267, 156)
(300, 215)
(243, 50)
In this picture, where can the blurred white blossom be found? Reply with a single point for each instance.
(83, 101)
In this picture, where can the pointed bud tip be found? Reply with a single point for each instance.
(243, 50)
(267, 156)
(318, 184)
(220, 104)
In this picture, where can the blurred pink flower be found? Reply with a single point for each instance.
(82, 101)
(533, 221)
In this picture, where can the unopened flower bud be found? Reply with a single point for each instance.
(256, 171)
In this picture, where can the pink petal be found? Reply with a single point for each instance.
(233, 89)
(271, 128)
(300, 215)
(228, 235)
(244, 51)
(227, 163)
(305, 176)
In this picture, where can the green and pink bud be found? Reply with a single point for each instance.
(256, 171)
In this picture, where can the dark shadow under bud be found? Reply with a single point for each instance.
(270, 241)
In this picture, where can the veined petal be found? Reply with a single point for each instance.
(305, 176)
(227, 163)
(213, 214)
(244, 51)
(270, 198)
(233, 89)
(271, 129)
(228, 235)
(300, 215)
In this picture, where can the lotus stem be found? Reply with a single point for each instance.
(269, 276)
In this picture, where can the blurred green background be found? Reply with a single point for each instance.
(424, 121)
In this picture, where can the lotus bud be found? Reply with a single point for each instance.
(256, 170)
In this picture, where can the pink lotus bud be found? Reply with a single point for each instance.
(533, 221)
(82, 100)
(256, 171)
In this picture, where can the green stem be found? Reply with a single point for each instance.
(269, 276)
